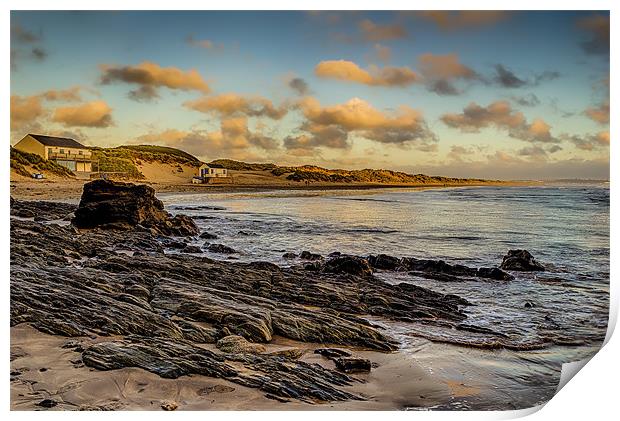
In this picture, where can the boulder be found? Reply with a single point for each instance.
(353, 365)
(208, 236)
(495, 273)
(383, 261)
(220, 248)
(289, 255)
(521, 260)
(235, 344)
(351, 265)
(306, 255)
(192, 249)
(116, 205)
(332, 353)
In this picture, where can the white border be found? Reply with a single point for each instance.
(592, 395)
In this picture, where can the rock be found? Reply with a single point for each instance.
(238, 344)
(220, 248)
(290, 354)
(47, 403)
(172, 359)
(353, 365)
(206, 235)
(495, 273)
(383, 261)
(169, 406)
(289, 256)
(116, 205)
(306, 255)
(348, 264)
(41, 210)
(192, 249)
(332, 353)
(521, 260)
(528, 304)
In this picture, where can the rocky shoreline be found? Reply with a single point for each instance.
(100, 270)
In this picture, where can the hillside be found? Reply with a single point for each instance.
(313, 173)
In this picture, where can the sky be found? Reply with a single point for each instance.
(494, 94)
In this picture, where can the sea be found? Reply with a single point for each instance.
(547, 318)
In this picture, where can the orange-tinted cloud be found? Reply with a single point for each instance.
(589, 142)
(65, 95)
(350, 72)
(375, 32)
(500, 114)
(441, 71)
(452, 20)
(232, 140)
(150, 77)
(600, 113)
(330, 126)
(25, 111)
(91, 114)
(234, 104)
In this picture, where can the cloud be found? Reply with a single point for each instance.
(150, 77)
(67, 95)
(233, 104)
(39, 53)
(452, 20)
(529, 100)
(440, 72)
(599, 113)
(91, 114)
(299, 85)
(506, 78)
(500, 115)
(25, 111)
(23, 35)
(374, 32)
(589, 142)
(331, 126)
(350, 72)
(382, 53)
(597, 26)
(232, 140)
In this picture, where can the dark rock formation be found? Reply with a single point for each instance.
(116, 205)
(289, 256)
(353, 365)
(221, 248)
(348, 264)
(191, 249)
(208, 236)
(332, 353)
(494, 273)
(42, 211)
(383, 261)
(521, 260)
(306, 255)
(171, 359)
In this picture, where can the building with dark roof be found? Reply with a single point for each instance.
(64, 151)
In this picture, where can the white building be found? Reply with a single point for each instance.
(212, 171)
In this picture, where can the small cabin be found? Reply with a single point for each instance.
(212, 171)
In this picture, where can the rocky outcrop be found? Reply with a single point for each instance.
(353, 365)
(521, 260)
(40, 210)
(347, 264)
(117, 205)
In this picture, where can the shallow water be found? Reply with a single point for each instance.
(564, 227)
